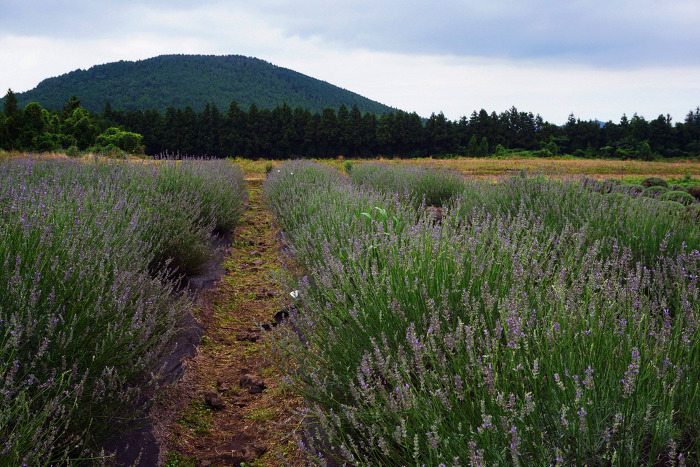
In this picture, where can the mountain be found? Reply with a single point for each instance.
(194, 80)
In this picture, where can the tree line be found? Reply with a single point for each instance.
(283, 133)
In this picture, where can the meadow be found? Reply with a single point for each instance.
(92, 254)
(535, 321)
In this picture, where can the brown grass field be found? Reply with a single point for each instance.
(492, 167)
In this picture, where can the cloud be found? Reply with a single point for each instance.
(598, 33)
(457, 85)
(596, 59)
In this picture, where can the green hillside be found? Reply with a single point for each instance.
(194, 80)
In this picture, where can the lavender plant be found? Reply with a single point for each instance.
(504, 335)
(422, 185)
(86, 320)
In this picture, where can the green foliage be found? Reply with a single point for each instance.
(654, 181)
(552, 148)
(73, 151)
(655, 191)
(483, 148)
(194, 80)
(175, 106)
(416, 185)
(125, 140)
(682, 197)
(176, 460)
(348, 167)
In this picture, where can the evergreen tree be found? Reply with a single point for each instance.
(472, 147)
(328, 133)
(234, 130)
(483, 149)
(10, 122)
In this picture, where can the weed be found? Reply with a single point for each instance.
(197, 417)
(177, 460)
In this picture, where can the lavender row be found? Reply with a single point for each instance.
(431, 187)
(88, 306)
(503, 335)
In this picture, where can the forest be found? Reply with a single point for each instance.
(194, 80)
(288, 133)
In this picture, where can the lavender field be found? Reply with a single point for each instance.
(527, 322)
(91, 256)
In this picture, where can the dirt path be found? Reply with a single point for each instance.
(231, 406)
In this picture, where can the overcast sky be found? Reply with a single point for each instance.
(596, 59)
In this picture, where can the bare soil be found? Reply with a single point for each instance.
(231, 406)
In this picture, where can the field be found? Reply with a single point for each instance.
(90, 305)
(491, 167)
(528, 322)
(537, 318)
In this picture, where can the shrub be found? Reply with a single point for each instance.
(635, 190)
(73, 151)
(654, 181)
(682, 197)
(617, 197)
(695, 191)
(674, 207)
(268, 167)
(678, 188)
(693, 212)
(417, 184)
(655, 191)
(348, 167)
(552, 148)
(631, 190)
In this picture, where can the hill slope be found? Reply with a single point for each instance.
(181, 80)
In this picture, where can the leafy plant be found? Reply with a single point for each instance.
(654, 181)
(682, 197)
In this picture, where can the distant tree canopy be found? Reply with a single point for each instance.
(194, 80)
(285, 132)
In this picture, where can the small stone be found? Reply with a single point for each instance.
(257, 262)
(222, 386)
(251, 336)
(255, 253)
(214, 400)
(253, 451)
(253, 383)
(205, 463)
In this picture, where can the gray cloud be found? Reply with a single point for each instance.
(605, 33)
(599, 33)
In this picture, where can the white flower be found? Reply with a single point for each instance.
(294, 293)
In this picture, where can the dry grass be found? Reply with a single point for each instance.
(491, 167)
